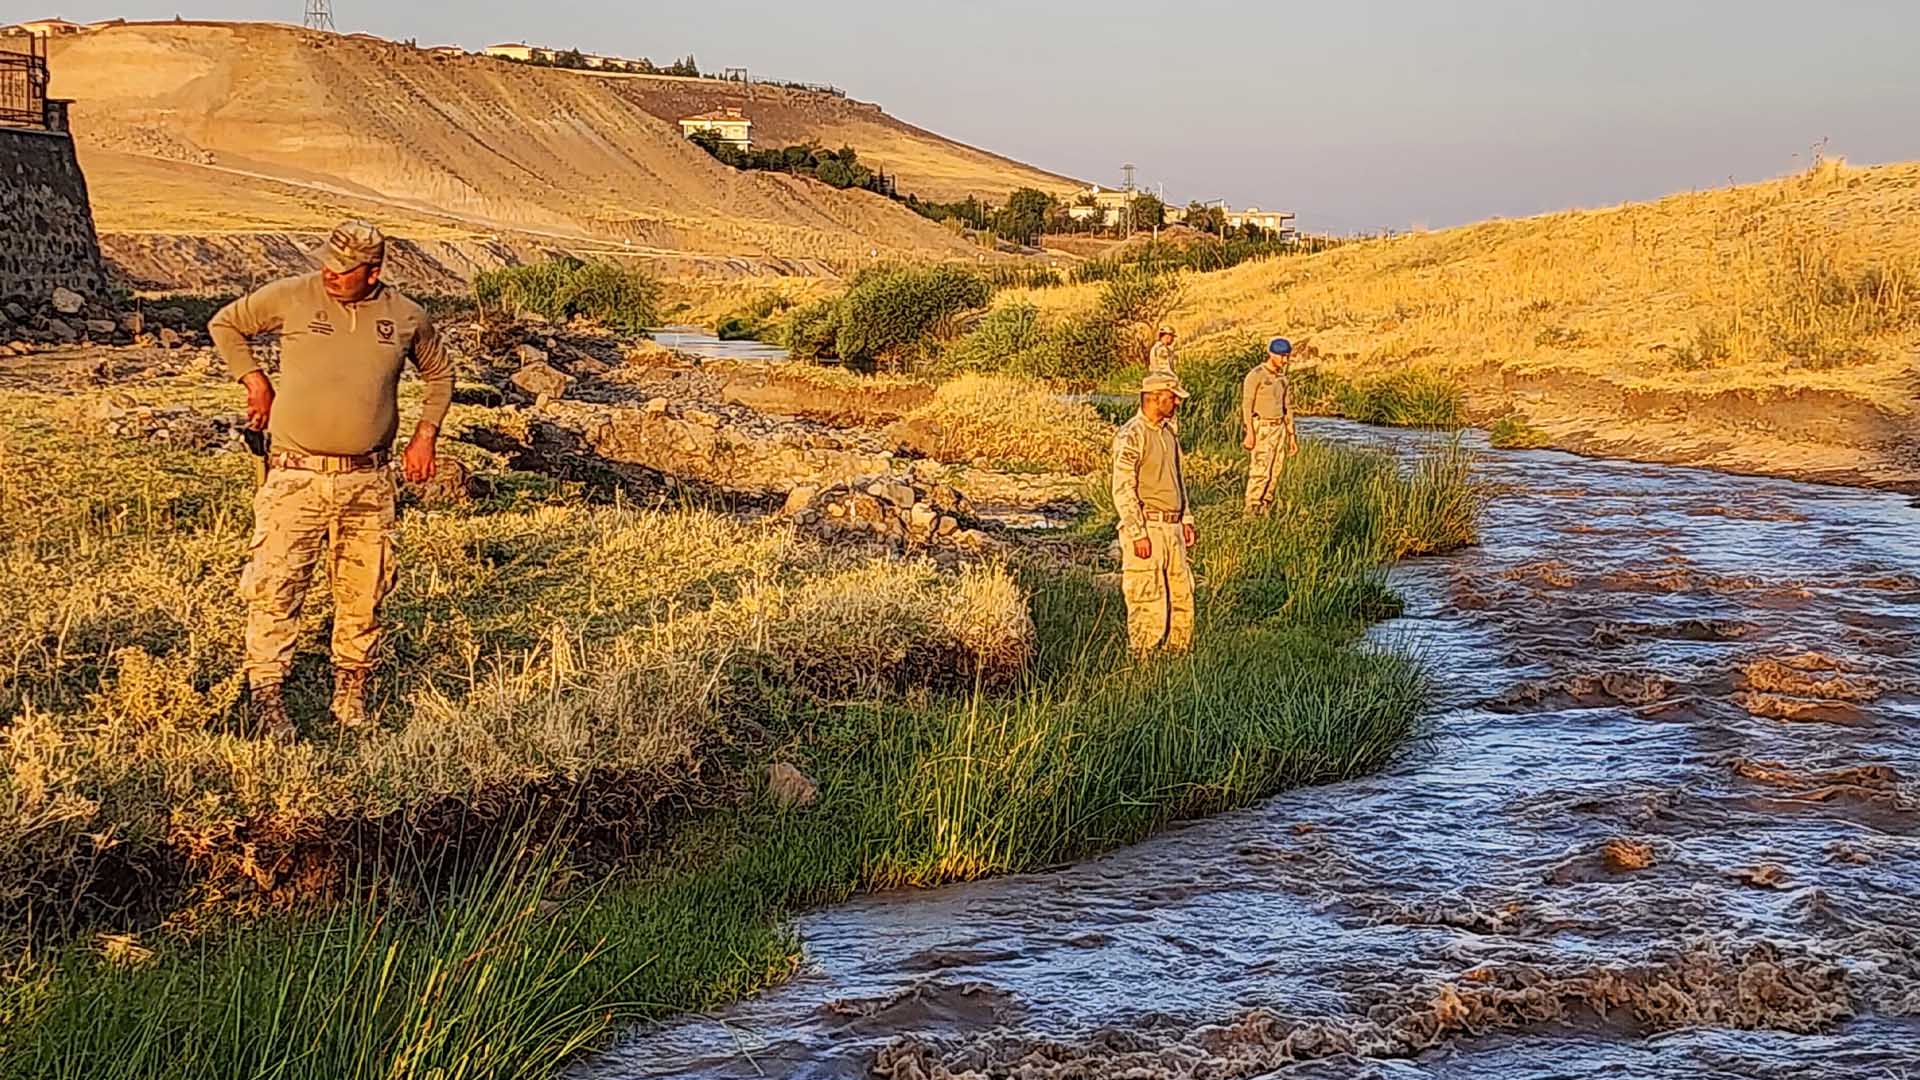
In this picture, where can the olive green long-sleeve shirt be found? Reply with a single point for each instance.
(1148, 474)
(340, 364)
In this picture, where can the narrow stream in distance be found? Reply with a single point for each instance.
(1664, 826)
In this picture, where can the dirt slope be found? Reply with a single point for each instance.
(1768, 328)
(197, 128)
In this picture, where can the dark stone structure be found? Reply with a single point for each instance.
(47, 239)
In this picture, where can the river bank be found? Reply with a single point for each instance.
(900, 676)
(1664, 827)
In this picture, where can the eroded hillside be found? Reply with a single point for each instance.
(221, 131)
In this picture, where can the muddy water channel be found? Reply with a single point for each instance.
(1665, 824)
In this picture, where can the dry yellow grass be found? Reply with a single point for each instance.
(1770, 327)
(532, 648)
(1012, 421)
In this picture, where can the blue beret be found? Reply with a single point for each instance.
(1280, 346)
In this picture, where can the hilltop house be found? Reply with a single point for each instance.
(1110, 207)
(1277, 222)
(447, 50)
(730, 125)
(55, 27)
(514, 50)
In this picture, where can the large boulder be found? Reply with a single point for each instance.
(67, 302)
(540, 381)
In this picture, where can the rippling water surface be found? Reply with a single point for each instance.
(1664, 826)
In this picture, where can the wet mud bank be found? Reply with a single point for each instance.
(1667, 823)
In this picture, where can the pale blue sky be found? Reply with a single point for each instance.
(1357, 114)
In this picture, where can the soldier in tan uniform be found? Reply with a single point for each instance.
(1266, 412)
(1156, 520)
(1160, 358)
(329, 489)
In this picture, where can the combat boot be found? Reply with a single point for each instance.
(350, 697)
(270, 714)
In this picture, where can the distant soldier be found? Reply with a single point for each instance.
(1266, 411)
(329, 491)
(1156, 522)
(1160, 359)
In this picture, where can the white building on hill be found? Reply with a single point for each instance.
(730, 125)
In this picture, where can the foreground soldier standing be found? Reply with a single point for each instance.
(344, 338)
(1266, 411)
(1156, 522)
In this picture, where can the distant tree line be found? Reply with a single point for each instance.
(576, 60)
(840, 168)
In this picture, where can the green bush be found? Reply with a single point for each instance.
(1512, 432)
(621, 297)
(889, 314)
(810, 330)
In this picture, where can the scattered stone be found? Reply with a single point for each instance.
(946, 526)
(542, 381)
(529, 355)
(17, 313)
(67, 302)
(61, 331)
(133, 323)
(1622, 855)
(102, 329)
(452, 484)
(791, 788)
(172, 316)
(169, 338)
(588, 367)
(655, 406)
(799, 500)
(1763, 876)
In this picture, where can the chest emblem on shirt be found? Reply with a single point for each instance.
(385, 329)
(320, 325)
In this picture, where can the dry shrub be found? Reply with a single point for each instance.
(1010, 421)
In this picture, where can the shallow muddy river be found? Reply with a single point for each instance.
(1665, 825)
(699, 341)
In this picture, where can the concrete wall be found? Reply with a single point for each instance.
(46, 224)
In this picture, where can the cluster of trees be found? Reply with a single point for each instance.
(840, 168)
(577, 61)
(1030, 213)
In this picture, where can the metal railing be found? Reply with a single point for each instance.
(23, 81)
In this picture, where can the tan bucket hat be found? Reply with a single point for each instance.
(1160, 380)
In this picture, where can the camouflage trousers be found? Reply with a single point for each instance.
(1268, 462)
(1159, 591)
(298, 517)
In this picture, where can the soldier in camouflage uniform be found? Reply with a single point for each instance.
(1266, 413)
(1160, 358)
(329, 490)
(1156, 520)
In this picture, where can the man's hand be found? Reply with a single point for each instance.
(259, 399)
(1143, 548)
(1247, 443)
(1187, 533)
(417, 462)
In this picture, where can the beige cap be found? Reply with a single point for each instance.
(353, 244)
(1166, 330)
(1160, 380)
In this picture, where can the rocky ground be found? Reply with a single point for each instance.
(585, 405)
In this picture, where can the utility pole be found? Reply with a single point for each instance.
(1127, 186)
(319, 15)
